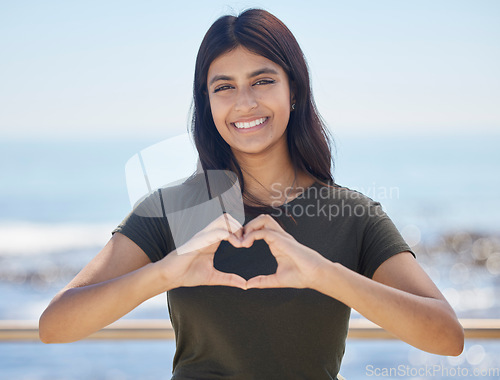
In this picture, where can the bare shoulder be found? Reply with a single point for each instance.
(118, 257)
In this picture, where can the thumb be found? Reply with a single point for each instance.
(264, 281)
(228, 279)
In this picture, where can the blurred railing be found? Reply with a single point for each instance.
(131, 329)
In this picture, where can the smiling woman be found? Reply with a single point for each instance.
(268, 297)
(248, 68)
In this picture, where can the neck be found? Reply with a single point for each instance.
(269, 176)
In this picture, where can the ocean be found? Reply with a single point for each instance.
(61, 198)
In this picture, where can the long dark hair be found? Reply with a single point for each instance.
(260, 32)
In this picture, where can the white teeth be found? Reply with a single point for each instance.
(251, 124)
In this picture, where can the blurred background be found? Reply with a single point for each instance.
(410, 91)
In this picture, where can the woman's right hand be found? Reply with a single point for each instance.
(192, 264)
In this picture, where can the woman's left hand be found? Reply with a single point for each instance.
(297, 264)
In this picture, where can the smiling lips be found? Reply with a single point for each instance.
(250, 124)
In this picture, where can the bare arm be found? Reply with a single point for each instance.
(121, 277)
(402, 299)
(116, 281)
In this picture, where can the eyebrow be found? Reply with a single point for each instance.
(265, 70)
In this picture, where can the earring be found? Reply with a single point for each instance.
(293, 106)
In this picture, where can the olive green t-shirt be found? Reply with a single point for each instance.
(229, 333)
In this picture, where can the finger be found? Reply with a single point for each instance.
(264, 281)
(268, 235)
(262, 221)
(233, 225)
(227, 222)
(234, 240)
(204, 240)
(228, 279)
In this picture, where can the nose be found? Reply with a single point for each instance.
(245, 100)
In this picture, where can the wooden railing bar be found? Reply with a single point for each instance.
(154, 329)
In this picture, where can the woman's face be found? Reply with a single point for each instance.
(250, 101)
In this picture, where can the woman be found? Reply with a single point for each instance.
(269, 299)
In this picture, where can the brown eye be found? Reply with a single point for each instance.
(264, 81)
(222, 88)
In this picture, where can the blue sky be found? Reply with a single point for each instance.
(109, 68)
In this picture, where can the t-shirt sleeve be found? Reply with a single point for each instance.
(380, 240)
(149, 229)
